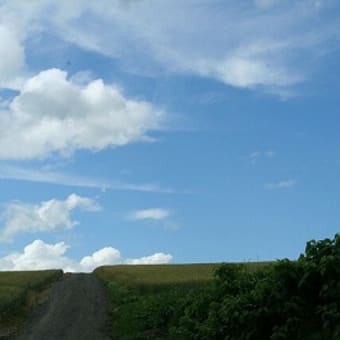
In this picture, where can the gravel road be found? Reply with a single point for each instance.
(76, 310)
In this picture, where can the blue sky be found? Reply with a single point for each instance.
(175, 131)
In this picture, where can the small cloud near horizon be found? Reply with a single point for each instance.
(39, 255)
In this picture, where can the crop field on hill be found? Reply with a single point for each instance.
(149, 277)
(17, 290)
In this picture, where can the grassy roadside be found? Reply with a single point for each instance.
(147, 299)
(19, 292)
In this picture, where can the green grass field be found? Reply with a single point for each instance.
(18, 291)
(153, 277)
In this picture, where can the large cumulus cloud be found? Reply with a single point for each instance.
(52, 113)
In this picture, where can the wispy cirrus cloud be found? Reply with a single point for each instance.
(238, 48)
(158, 217)
(258, 155)
(10, 172)
(265, 4)
(285, 184)
(149, 214)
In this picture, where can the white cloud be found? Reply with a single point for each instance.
(157, 258)
(53, 114)
(230, 43)
(149, 214)
(47, 216)
(247, 71)
(287, 184)
(104, 256)
(39, 255)
(10, 172)
(158, 216)
(12, 56)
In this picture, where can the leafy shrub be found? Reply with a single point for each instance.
(287, 300)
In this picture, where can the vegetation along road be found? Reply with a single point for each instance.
(77, 309)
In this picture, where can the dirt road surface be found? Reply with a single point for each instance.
(76, 310)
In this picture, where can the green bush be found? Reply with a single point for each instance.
(287, 300)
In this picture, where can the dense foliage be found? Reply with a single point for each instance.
(285, 300)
